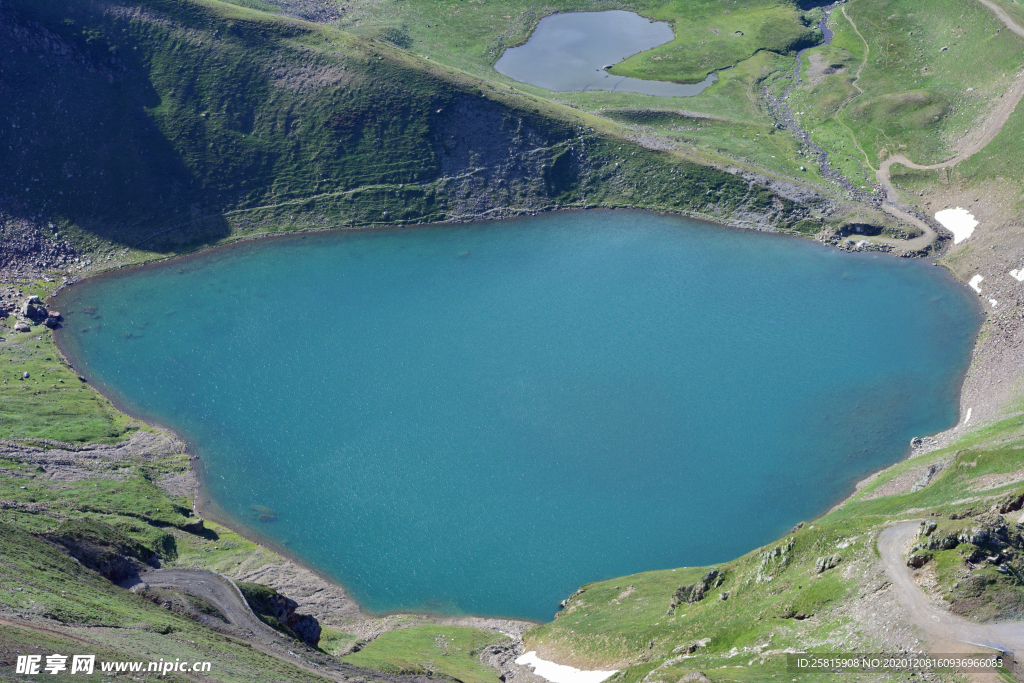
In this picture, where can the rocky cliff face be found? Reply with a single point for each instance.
(305, 626)
(278, 611)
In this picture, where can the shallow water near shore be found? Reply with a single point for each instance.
(481, 418)
(568, 52)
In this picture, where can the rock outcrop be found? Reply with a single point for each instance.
(695, 592)
(278, 611)
(304, 625)
(823, 564)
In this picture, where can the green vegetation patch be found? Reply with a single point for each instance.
(708, 36)
(910, 110)
(260, 5)
(52, 402)
(715, 35)
(451, 651)
(927, 75)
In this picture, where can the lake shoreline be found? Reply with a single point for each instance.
(205, 508)
(719, 222)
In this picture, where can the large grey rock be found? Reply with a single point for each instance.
(33, 311)
(307, 628)
(303, 625)
(823, 564)
(695, 592)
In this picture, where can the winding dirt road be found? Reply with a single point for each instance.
(945, 632)
(982, 134)
(223, 593)
(216, 589)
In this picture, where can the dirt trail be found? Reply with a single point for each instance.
(223, 593)
(982, 134)
(216, 589)
(945, 632)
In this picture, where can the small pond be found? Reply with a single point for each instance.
(568, 52)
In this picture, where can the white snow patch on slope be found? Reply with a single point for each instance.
(958, 221)
(559, 673)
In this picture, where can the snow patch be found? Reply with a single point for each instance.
(559, 673)
(993, 303)
(975, 281)
(1017, 275)
(958, 221)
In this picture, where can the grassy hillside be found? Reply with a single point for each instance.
(717, 35)
(473, 35)
(798, 592)
(187, 123)
(931, 71)
(52, 403)
(430, 650)
(61, 606)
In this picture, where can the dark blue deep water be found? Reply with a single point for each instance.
(481, 418)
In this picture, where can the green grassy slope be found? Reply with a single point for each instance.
(188, 123)
(923, 58)
(716, 35)
(472, 35)
(52, 403)
(37, 580)
(772, 593)
(430, 650)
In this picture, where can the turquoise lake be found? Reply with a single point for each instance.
(481, 418)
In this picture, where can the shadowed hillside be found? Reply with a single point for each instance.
(172, 124)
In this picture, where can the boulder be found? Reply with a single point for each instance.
(695, 677)
(33, 311)
(823, 564)
(918, 560)
(22, 326)
(51, 322)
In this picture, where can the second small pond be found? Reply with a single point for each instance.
(569, 52)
